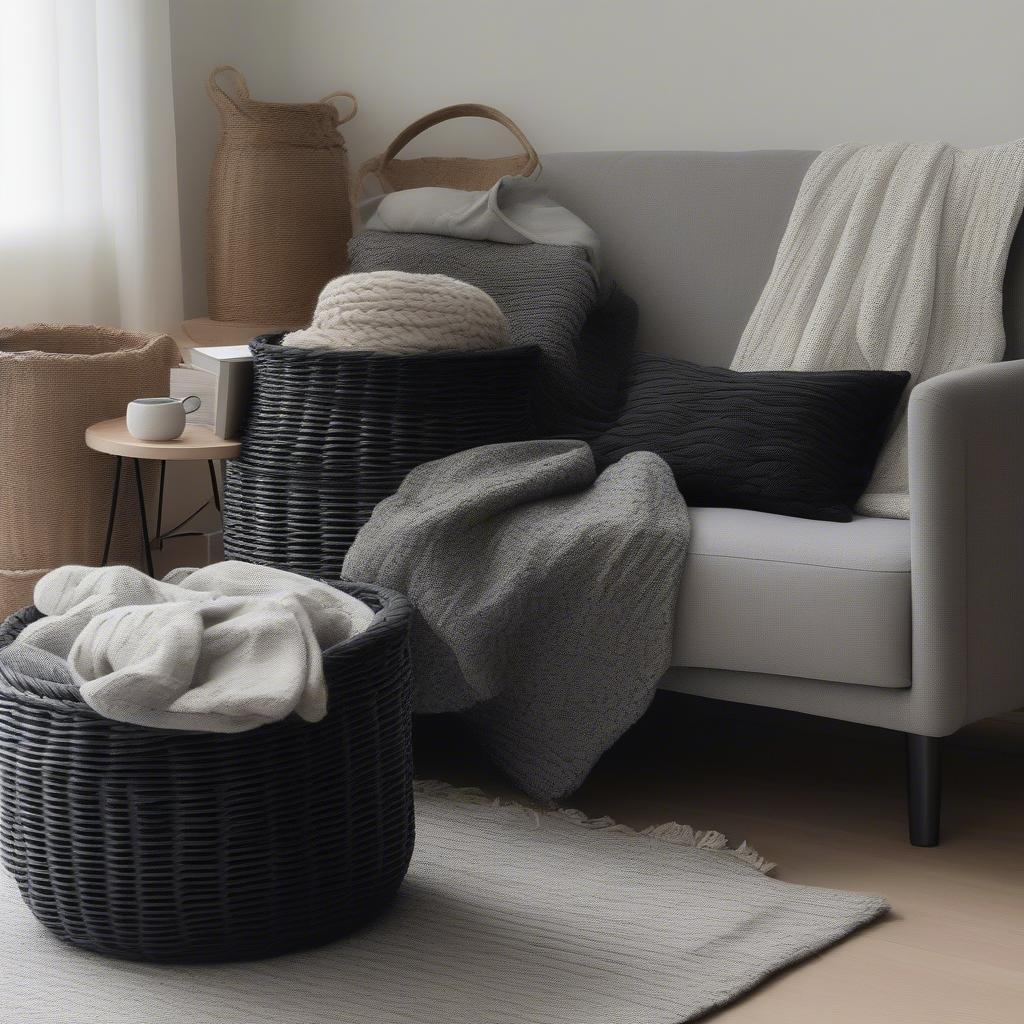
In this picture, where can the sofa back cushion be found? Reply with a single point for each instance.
(692, 237)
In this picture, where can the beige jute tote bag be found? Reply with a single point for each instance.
(467, 173)
(278, 217)
(56, 380)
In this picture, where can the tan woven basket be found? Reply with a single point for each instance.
(55, 382)
(278, 219)
(467, 173)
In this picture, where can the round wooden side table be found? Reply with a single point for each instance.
(112, 438)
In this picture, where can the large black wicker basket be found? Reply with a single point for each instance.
(159, 845)
(332, 433)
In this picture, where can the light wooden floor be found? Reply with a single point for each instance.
(825, 800)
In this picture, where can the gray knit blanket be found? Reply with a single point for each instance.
(544, 593)
(550, 298)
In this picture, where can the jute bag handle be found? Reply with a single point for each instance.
(331, 96)
(219, 94)
(450, 114)
(377, 165)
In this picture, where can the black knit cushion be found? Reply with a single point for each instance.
(795, 443)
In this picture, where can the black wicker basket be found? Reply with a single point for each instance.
(330, 434)
(159, 845)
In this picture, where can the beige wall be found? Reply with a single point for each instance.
(610, 74)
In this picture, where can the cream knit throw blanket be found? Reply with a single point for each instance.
(893, 260)
(402, 314)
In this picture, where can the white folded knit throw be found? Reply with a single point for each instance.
(893, 260)
(398, 313)
(221, 649)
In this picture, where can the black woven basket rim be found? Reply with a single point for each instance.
(394, 611)
(269, 346)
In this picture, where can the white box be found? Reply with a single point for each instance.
(232, 367)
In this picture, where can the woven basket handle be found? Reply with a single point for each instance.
(450, 114)
(376, 164)
(337, 95)
(219, 94)
(221, 97)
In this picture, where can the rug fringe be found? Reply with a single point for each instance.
(668, 832)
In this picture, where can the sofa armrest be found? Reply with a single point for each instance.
(967, 544)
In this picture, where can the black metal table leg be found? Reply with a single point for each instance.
(113, 512)
(142, 519)
(213, 483)
(160, 505)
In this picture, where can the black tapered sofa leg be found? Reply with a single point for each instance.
(924, 788)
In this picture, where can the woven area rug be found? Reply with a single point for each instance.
(508, 916)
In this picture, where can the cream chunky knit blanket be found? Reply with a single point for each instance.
(893, 260)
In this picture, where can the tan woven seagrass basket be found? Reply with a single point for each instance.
(462, 172)
(278, 217)
(56, 380)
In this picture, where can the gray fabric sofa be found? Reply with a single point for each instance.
(915, 626)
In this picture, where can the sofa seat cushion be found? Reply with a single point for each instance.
(794, 597)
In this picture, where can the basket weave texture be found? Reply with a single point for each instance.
(159, 845)
(332, 433)
(56, 380)
(278, 217)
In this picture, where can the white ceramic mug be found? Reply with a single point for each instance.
(159, 419)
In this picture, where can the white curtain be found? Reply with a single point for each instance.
(88, 189)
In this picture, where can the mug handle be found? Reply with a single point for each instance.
(191, 404)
